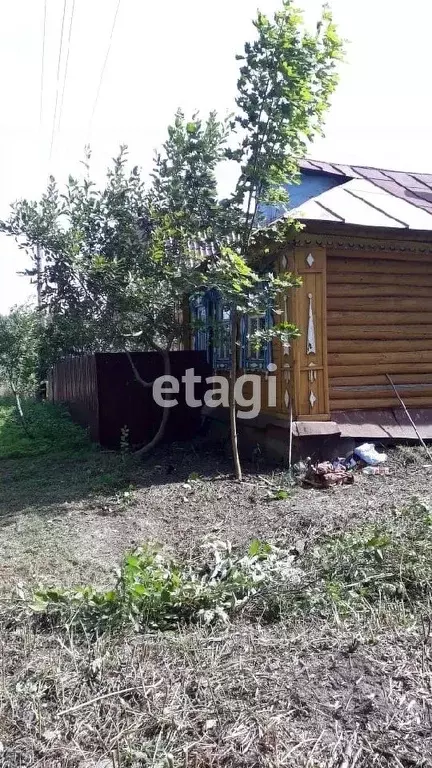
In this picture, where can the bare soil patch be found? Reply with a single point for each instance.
(70, 520)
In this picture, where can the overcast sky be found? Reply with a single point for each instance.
(173, 53)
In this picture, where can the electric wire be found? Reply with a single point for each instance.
(58, 79)
(43, 62)
(66, 66)
(104, 65)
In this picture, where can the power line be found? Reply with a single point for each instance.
(66, 65)
(104, 64)
(43, 62)
(58, 79)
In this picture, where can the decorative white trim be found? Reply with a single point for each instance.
(312, 399)
(283, 262)
(356, 243)
(311, 344)
(286, 398)
(286, 349)
(310, 261)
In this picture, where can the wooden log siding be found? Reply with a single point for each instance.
(379, 315)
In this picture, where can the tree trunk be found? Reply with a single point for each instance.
(20, 410)
(41, 368)
(232, 403)
(165, 415)
(39, 277)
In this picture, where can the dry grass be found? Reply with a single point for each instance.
(67, 520)
(306, 692)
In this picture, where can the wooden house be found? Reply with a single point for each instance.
(364, 310)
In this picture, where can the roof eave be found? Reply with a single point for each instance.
(315, 226)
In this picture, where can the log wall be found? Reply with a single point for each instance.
(379, 318)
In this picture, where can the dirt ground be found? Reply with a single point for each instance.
(70, 521)
(293, 695)
(307, 691)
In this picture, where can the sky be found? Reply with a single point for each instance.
(181, 53)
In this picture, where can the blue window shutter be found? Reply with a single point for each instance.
(264, 320)
(205, 302)
(209, 316)
(193, 314)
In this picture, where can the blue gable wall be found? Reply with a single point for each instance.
(311, 185)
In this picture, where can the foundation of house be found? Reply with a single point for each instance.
(268, 436)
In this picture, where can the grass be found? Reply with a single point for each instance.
(50, 429)
(333, 671)
(50, 485)
(302, 694)
(313, 689)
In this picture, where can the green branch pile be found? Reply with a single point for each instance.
(156, 592)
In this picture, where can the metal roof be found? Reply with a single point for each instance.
(367, 202)
(415, 188)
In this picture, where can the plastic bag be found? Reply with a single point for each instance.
(369, 454)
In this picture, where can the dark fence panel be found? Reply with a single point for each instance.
(123, 401)
(102, 394)
(73, 382)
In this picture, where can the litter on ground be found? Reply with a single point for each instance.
(342, 471)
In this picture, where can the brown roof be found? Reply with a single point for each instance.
(415, 188)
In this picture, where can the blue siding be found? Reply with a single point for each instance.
(311, 185)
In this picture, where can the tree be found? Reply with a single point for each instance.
(192, 229)
(184, 188)
(284, 90)
(19, 352)
(119, 261)
(79, 232)
(286, 80)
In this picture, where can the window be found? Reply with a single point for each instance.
(212, 333)
(255, 351)
(222, 336)
(256, 356)
(200, 318)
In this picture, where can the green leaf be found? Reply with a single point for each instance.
(254, 548)
(281, 495)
